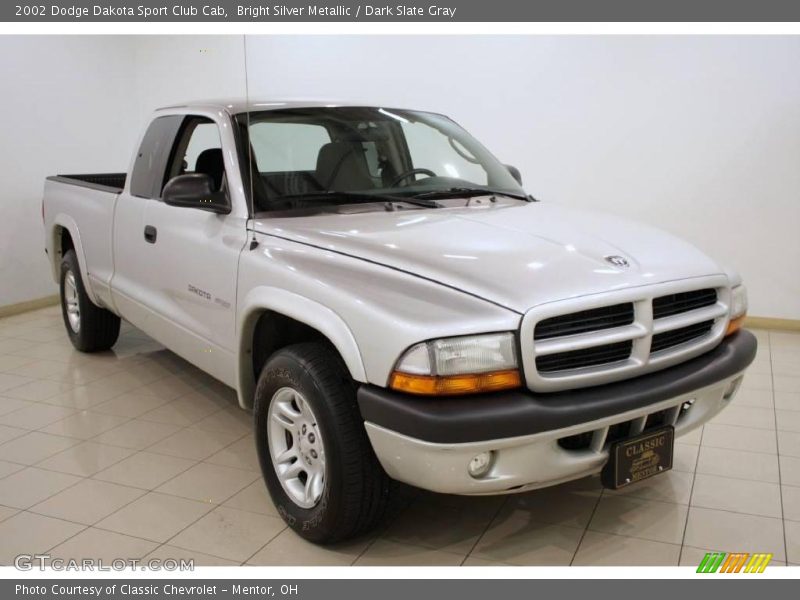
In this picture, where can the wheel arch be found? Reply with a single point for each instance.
(64, 235)
(311, 319)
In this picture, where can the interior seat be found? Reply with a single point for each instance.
(342, 166)
(211, 163)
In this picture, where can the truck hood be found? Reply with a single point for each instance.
(514, 255)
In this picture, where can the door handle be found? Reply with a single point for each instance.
(150, 234)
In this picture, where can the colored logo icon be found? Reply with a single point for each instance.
(734, 562)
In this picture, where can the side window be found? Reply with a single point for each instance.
(283, 147)
(198, 149)
(205, 136)
(151, 159)
(429, 146)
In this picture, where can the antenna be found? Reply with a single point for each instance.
(252, 207)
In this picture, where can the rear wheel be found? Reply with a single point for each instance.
(317, 462)
(89, 327)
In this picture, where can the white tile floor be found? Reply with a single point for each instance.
(136, 453)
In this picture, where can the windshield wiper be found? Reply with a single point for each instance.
(358, 197)
(466, 192)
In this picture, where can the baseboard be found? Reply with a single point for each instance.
(772, 323)
(28, 305)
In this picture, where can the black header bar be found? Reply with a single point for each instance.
(408, 11)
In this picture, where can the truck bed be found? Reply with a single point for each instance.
(84, 206)
(108, 182)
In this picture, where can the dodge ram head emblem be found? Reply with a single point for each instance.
(618, 261)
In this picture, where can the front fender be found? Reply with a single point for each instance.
(300, 308)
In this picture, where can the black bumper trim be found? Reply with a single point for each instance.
(520, 412)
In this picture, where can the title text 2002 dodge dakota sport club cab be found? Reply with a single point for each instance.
(390, 303)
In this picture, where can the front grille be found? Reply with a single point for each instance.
(673, 304)
(588, 357)
(668, 339)
(585, 321)
(573, 344)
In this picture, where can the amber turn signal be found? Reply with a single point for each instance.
(453, 385)
(735, 325)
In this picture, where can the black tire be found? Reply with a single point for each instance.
(356, 489)
(98, 329)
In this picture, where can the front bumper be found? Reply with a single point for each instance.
(540, 440)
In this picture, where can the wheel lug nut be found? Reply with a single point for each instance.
(313, 454)
(311, 438)
(303, 430)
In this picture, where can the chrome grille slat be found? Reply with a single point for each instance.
(589, 340)
(689, 318)
(627, 332)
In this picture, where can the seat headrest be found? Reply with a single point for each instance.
(211, 163)
(341, 166)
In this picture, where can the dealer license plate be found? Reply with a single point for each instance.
(638, 458)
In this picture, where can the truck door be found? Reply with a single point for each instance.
(188, 257)
(131, 255)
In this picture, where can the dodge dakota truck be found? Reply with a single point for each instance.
(391, 305)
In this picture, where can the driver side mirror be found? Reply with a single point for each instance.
(515, 173)
(195, 190)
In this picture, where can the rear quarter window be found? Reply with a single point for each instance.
(151, 159)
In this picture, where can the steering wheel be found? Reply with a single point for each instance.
(409, 173)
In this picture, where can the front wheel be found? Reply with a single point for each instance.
(317, 462)
(89, 327)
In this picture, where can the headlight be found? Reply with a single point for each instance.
(459, 365)
(738, 309)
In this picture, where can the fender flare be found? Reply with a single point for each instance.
(300, 308)
(66, 222)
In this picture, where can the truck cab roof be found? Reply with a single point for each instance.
(241, 105)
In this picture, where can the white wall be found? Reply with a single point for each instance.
(698, 135)
(174, 69)
(76, 104)
(65, 105)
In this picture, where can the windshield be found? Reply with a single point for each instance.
(328, 156)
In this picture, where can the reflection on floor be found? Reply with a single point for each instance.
(135, 453)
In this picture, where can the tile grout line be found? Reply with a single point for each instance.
(216, 505)
(70, 383)
(92, 439)
(586, 528)
(79, 410)
(85, 526)
(180, 428)
(136, 537)
(778, 453)
(489, 524)
(205, 514)
(82, 478)
(267, 543)
(691, 494)
(153, 491)
(384, 527)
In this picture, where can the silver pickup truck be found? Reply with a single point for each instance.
(391, 304)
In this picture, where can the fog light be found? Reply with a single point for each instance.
(480, 464)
